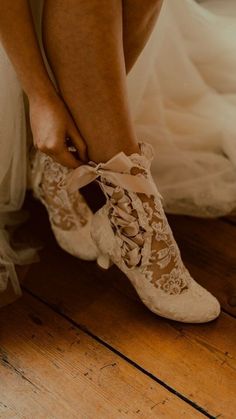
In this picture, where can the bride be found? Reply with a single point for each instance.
(181, 92)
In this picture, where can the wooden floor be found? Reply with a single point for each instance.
(79, 343)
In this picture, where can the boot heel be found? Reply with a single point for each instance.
(103, 261)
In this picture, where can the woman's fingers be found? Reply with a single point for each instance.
(66, 158)
(58, 136)
(78, 143)
(57, 149)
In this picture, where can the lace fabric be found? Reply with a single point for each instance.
(143, 234)
(69, 214)
(133, 231)
(66, 210)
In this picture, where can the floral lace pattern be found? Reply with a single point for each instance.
(132, 231)
(66, 210)
(145, 237)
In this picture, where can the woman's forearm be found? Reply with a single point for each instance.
(18, 37)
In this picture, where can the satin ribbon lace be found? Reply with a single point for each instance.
(134, 208)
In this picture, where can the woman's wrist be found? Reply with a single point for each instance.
(44, 94)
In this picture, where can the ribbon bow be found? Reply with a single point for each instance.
(115, 171)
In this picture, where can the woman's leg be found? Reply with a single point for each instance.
(139, 18)
(84, 44)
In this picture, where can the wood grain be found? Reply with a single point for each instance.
(198, 361)
(50, 369)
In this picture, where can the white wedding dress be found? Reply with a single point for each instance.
(183, 97)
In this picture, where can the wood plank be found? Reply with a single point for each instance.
(209, 251)
(199, 361)
(51, 369)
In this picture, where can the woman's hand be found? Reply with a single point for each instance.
(50, 120)
(51, 123)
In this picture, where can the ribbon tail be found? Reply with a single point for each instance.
(80, 177)
(133, 183)
(85, 174)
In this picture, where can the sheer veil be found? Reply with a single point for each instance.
(183, 93)
(183, 97)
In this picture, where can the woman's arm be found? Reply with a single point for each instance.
(18, 37)
(50, 120)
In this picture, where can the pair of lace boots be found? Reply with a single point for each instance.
(130, 230)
